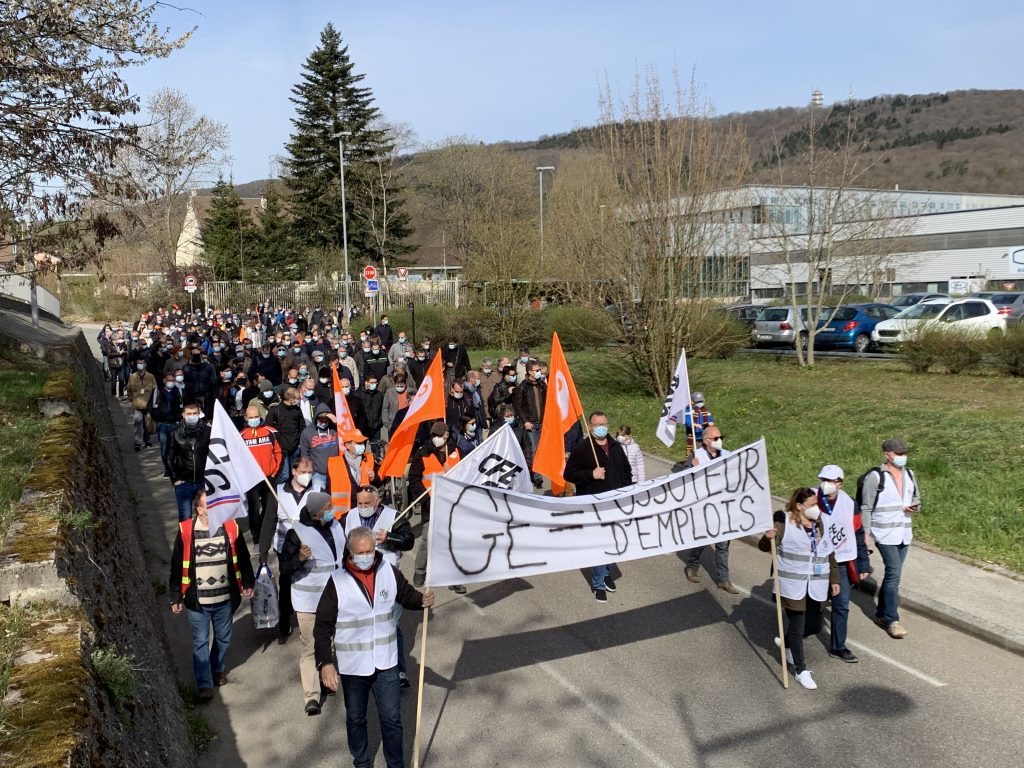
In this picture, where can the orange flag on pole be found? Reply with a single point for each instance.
(342, 415)
(562, 408)
(427, 404)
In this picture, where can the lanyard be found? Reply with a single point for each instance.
(828, 507)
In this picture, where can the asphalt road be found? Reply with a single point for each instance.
(667, 673)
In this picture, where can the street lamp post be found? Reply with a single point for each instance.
(540, 184)
(344, 221)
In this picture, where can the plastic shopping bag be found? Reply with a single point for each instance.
(264, 600)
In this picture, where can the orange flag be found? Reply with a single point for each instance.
(562, 409)
(427, 404)
(342, 415)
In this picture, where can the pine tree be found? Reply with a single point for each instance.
(276, 255)
(228, 234)
(328, 100)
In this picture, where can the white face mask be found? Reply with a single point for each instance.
(364, 562)
(346, 390)
(813, 513)
(399, 388)
(828, 488)
(717, 444)
(304, 478)
(439, 441)
(487, 371)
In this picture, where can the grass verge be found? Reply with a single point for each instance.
(21, 426)
(966, 432)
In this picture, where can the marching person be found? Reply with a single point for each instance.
(141, 386)
(355, 467)
(392, 536)
(837, 516)
(433, 458)
(264, 447)
(598, 464)
(808, 574)
(313, 550)
(633, 453)
(319, 442)
(356, 640)
(167, 413)
(697, 419)
(889, 499)
(291, 497)
(188, 446)
(710, 450)
(210, 574)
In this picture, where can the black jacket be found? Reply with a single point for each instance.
(327, 611)
(186, 452)
(416, 486)
(373, 409)
(458, 358)
(191, 596)
(501, 395)
(167, 409)
(579, 468)
(289, 424)
(528, 400)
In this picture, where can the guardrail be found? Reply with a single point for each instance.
(20, 288)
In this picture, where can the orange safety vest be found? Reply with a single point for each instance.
(230, 528)
(432, 467)
(341, 483)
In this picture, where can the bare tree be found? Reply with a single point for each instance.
(177, 150)
(385, 213)
(669, 246)
(826, 239)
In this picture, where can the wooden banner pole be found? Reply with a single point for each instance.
(419, 692)
(778, 614)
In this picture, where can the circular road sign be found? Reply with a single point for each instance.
(370, 272)
(190, 281)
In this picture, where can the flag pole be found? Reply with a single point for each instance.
(778, 615)
(419, 691)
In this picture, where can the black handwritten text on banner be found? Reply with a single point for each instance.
(487, 534)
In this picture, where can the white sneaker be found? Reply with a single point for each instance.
(805, 679)
(789, 653)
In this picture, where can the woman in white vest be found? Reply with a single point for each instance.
(889, 500)
(356, 641)
(313, 550)
(807, 574)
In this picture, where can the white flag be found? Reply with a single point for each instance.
(231, 470)
(498, 462)
(676, 402)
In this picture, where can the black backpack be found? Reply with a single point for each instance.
(881, 484)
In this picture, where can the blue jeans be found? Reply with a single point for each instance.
(841, 610)
(893, 556)
(286, 466)
(387, 693)
(598, 574)
(721, 560)
(184, 493)
(163, 434)
(320, 479)
(207, 663)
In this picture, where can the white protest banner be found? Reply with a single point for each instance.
(676, 402)
(479, 533)
(231, 470)
(498, 462)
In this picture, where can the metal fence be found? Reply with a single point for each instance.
(237, 294)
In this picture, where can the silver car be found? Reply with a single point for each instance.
(774, 326)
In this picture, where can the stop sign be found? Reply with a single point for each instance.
(370, 272)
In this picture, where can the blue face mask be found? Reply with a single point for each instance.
(899, 461)
(600, 432)
(364, 562)
(254, 422)
(327, 515)
(510, 420)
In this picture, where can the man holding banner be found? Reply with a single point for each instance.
(432, 459)
(597, 465)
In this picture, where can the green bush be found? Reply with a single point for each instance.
(1007, 352)
(922, 352)
(430, 322)
(959, 353)
(116, 673)
(578, 327)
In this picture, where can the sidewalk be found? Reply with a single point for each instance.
(969, 598)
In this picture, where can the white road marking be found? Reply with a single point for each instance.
(608, 722)
(864, 649)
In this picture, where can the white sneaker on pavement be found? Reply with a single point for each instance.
(789, 653)
(805, 679)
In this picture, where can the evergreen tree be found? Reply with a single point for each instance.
(328, 100)
(228, 234)
(276, 255)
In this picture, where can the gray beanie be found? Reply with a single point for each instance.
(316, 502)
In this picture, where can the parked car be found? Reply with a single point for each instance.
(910, 299)
(775, 326)
(850, 326)
(745, 313)
(975, 317)
(1010, 306)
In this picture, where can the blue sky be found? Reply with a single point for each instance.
(519, 70)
